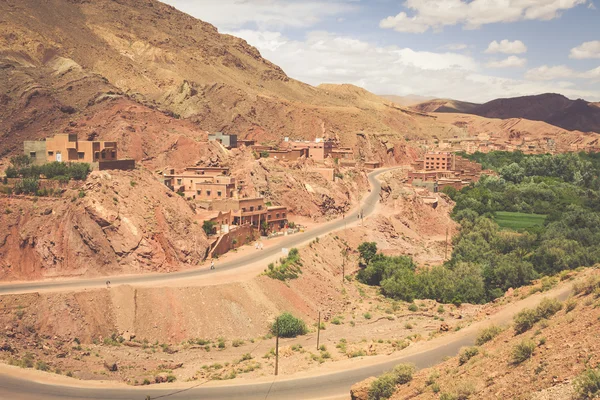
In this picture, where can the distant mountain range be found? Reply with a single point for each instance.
(552, 108)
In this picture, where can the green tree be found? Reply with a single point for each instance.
(209, 227)
(368, 251)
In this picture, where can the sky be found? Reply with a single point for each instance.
(470, 50)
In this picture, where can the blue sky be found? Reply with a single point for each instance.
(472, 50)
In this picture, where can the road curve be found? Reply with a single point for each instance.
(368, 206)
(336, 385)
(328, 385)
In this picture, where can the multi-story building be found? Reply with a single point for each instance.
(439, 161)
(252, 211)
(318, 150)
(67, 148)
(228, 141)
(202, 183)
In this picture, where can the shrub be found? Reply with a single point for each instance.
(288, 268)
(237, 343)
(570, 305)
(413, 307)
(528, 317)
(383, 387)
(403, 373)
(547, 308)
(289, 326)
(42, 366)
(487, 334)
(466, 354)
(246, 357)
(367, 315)
(209, 227)
(523, 351)
(587, 384)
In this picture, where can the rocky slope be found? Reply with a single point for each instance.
(137, 57)
(563, 345)
(116, 222)
(555, 109)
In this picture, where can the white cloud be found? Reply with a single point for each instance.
(509, 62)
(507, 47)
(547, 73)
(323, 57)
(454, 46)
(586, 50)
(436, 14)
(263, 14)
(592, 6)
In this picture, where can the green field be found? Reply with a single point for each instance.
(518, 221)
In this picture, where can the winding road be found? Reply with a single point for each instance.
(367, 207)
(16, 384)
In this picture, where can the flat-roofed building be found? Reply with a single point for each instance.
(67, 148)
(318, 150)
(201, 185)
(228, 141)
(439, 161)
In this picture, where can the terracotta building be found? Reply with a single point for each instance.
(252, 211)
(318, 150)
(67, 148)
(439, 161)
(202, 183)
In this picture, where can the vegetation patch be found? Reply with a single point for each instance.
(523, 351)
(518, 221)
(288, 326)
(527, 318)
(288, 267)
(487, 334)
(587, 384)
(385, 385)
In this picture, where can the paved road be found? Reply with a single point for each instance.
(368, 206)
(335, 385)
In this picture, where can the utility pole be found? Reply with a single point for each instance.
(277, 346)
(319, 330)
(446, 251)
(343, 265)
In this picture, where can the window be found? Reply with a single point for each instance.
(198, 192)
(219, 193)
(277, 215)
(269, 216)
(251, 208)
(80, 155)
(103, 155)
(260, 207)
(208, 192)
(243, 209)
(283, 215)
(50, 153)
(179, 181)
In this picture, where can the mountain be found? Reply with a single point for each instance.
(552, 108)
(142, 65)
(445, 105)
(408, 100)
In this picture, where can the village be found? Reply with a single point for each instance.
(232, 218)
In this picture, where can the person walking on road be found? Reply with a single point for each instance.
(108, 284)
(212, 265)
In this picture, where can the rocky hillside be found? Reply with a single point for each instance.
(552, 108)
(117, 222)
(547, 353)
(117, 67)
